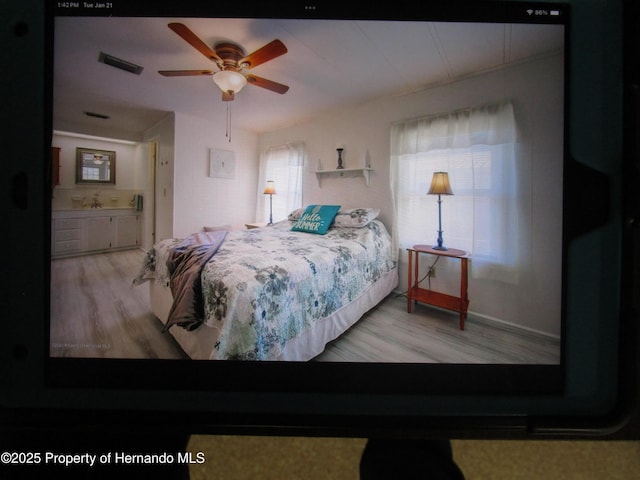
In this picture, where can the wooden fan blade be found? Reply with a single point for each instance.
(193, 40)
(268, 84)
(185, 73)
(268, 52)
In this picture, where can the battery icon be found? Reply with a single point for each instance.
(555, 12)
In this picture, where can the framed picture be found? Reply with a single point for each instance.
(95, 166)
(222, 163)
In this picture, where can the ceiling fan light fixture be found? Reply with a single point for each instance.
(229, 81)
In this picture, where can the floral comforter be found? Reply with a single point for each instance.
(265, 286)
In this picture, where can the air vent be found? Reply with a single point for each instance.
(97, 115)
(119, 63)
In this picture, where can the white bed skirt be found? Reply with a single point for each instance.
(199, 343)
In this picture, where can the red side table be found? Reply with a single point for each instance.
(418, 294)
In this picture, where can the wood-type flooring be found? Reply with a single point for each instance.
(96, 312)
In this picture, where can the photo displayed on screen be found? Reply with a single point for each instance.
(369, 191)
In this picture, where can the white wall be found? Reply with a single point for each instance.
(536, 90)
(201, 200)
(187, 198)
(364, 134)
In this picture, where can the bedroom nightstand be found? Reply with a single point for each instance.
(251, 226)
(415, 293)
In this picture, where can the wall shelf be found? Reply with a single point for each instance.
(345, 172)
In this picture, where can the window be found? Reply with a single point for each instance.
(283, 165)
(90, 173)
(477, 149)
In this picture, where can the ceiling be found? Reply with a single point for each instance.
(329, 64)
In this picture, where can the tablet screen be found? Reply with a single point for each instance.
(304, 201)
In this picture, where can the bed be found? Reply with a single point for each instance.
(273, 293)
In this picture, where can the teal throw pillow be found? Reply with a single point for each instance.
(316, 219)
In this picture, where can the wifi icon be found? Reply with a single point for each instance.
(529, 11)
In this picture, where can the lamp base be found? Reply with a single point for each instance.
(440, 246)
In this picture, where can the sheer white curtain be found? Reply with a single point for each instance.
(477, 148)
(283, 164)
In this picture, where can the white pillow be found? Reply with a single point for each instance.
(355, 217)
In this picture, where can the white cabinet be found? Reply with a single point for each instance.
(77, 232)
(126, 231)
(68, 236)
(98, 233)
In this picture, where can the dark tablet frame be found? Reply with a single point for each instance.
(575, 400)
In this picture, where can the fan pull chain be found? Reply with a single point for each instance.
(228, 133)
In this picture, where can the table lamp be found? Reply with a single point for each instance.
(271, 191)
(440, 186)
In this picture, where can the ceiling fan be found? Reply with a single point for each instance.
(232, 62)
